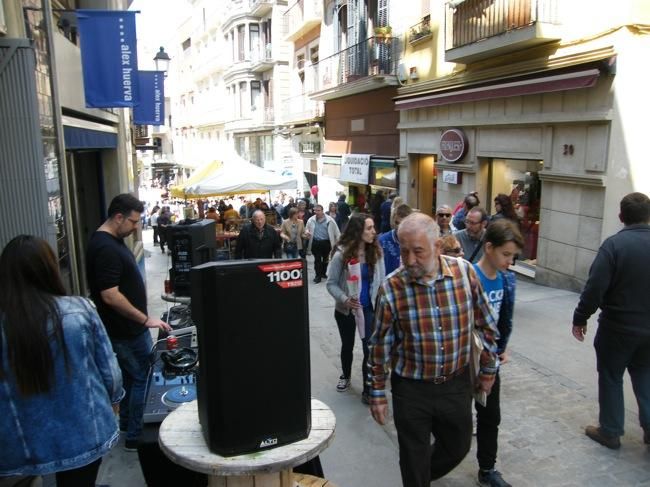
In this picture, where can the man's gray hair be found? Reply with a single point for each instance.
(258, 211)
(420, 222)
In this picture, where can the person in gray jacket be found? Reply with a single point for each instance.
(618, 284)
(357, 243)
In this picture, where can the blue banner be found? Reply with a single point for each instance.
(109, 58)
(151, 110)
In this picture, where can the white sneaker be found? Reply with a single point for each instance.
(343, 384)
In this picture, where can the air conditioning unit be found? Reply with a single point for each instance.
(3, 25)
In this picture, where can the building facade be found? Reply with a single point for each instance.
(538, 101)
(65, 160)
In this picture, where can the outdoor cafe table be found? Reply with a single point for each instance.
(181, 439)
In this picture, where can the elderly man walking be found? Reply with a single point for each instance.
(618, 284)
(425, 314)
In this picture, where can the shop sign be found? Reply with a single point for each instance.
(451, 177)
(355, 168)
(453, 145)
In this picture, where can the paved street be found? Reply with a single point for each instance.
(548, 396)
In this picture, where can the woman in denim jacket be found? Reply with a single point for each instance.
(58, 374)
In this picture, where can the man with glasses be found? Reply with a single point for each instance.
(471, 238)
(117, 288)
(443, 218)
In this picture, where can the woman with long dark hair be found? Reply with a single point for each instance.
(58, 374)
(505, 209)
(357, 249)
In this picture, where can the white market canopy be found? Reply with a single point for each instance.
(237, 176)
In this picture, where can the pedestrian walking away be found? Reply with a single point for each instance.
(117, 288)
(423, 327)
(60, 379)
(502, 243)
(354, 276)
(618, 284)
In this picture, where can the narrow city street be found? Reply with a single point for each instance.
(548, 397)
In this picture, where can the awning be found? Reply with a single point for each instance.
(544, 84)
(84, 134)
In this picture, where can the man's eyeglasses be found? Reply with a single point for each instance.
(470, 222)
(456, 251)
(445, 215)
(133, 220)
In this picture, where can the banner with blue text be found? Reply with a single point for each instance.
(151, 110)
(109, 58)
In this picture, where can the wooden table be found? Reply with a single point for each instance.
(181, 439)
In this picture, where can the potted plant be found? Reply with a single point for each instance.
(384, 31)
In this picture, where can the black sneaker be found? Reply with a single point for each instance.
(343, 384)
(365, 398)
(316, 279)
(131, 445)
(491, 478)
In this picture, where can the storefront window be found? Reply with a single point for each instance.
(519, 179)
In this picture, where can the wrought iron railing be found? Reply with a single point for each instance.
(420, 30)
(371, 57)
(474, 20)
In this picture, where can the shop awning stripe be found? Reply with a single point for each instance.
(545, 84)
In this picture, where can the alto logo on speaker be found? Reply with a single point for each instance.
(268, 442)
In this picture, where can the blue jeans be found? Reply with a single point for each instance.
(133, 355)
(616, 352)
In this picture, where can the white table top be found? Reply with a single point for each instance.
(181, 439)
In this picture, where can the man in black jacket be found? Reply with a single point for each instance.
(258, 240)
(618, 284)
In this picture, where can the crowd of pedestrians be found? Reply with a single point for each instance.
(432, 300)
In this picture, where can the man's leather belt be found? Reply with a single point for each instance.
(441, 379)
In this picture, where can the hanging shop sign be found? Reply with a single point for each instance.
(109, 58)
(355, 168)
(151, 110)
(453, 145)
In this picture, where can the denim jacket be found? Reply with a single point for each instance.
(73, 424)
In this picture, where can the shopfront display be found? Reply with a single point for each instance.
(520, 180)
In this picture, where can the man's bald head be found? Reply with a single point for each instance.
(419, 223)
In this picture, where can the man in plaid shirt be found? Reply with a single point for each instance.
(424, 316)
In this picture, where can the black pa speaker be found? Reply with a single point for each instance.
(252, 323)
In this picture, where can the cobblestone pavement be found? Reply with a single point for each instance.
(548, 396)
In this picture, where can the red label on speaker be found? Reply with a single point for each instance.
(284, 274)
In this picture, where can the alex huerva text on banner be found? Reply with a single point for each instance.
(151, 110)
(109, 58)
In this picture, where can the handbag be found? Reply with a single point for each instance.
(476, 345)
(290, 247)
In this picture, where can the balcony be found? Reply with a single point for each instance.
(366, 66)
(302, 17)
(259, 118)
(420, 32)
(301, 109)
(479, 29)
(261, 58)
(259, 8)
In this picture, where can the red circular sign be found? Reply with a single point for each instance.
(453, 145)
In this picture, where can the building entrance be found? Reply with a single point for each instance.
(519, 180)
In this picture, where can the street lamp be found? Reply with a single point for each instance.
(162, 60)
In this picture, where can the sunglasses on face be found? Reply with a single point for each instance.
(445, 215)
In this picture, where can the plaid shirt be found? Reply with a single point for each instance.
(423, 329)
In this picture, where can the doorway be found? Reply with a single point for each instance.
(519, 179)
(422, 184)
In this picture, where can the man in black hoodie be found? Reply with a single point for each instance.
(618, 284)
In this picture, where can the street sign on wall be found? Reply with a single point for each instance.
(355, 168)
